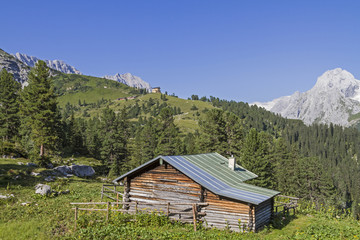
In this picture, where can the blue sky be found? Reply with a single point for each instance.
(237, 50)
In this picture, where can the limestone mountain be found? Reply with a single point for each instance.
(130, 80)
(61, 66)
(335, 98)
(58, 65)
(14, 66)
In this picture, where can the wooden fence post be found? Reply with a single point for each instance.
(107, 211)
(117, 200)
(102, 192)
(136, 207)
(194, 216)
(76, 216)
(168, 209)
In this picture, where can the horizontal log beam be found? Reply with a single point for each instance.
(283, 196)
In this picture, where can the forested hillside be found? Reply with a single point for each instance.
(123, 127)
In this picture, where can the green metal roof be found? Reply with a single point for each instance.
(217, 166)
(211, 171)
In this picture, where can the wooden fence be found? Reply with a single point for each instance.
(285, 205)
(195, 209)
(107, 188)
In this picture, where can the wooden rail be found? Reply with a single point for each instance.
(194, 206)
(106, 189)
(292, 203)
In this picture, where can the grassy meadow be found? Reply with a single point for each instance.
(74, 88)
(30, 216)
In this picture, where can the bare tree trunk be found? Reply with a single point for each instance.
(42, 150)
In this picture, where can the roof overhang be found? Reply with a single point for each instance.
(243, 192)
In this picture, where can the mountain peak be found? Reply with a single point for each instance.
(130, 80)
(336, 78)
(334, 99)
(58, 65)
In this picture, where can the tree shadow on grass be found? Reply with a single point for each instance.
(14, 174)
(282, 220)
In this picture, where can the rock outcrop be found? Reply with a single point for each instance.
(57, 65)
(130, 80)
(14, 66)
(77, 170)
(42, 189)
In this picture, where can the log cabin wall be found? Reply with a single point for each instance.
(226, 213)
(263, 213)
(164, 183)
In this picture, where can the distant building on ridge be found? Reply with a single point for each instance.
(155, 90)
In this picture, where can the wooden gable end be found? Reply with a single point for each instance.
(164, 183)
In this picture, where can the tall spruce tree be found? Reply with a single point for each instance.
(168, 142)
(221, 132)
(38, 109)
(255, 158)
(145, 142)
(213, 132)
(114, 135)
(9, 106)
(234, 133)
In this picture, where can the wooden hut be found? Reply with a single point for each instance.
(155, 90)
(204, 178)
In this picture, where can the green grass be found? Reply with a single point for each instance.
(72, 88)
(92, 90)
(52, 217)
(151, 226)
(43, 217)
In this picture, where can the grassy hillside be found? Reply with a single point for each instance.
(75, 89)
(28, 216)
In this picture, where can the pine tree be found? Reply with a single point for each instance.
(234, 134)
(221, 132)
(92, 137)
(74, 136)
(145, 142)
(168, 141)
(255, 158)
(190, 144)
(39, 110)
(114, 135)
(9, 106)
(286, 171)
(213, 132)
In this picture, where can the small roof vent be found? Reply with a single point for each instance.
(232, 163)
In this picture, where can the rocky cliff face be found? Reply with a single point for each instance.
(130, 80)
(58, 65)
(335, 98)
(14, 66)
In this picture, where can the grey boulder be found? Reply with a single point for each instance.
(43, 189)
(50, 178)
(64, 170)
(82, 170)
(77, 170)
(6, 196)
